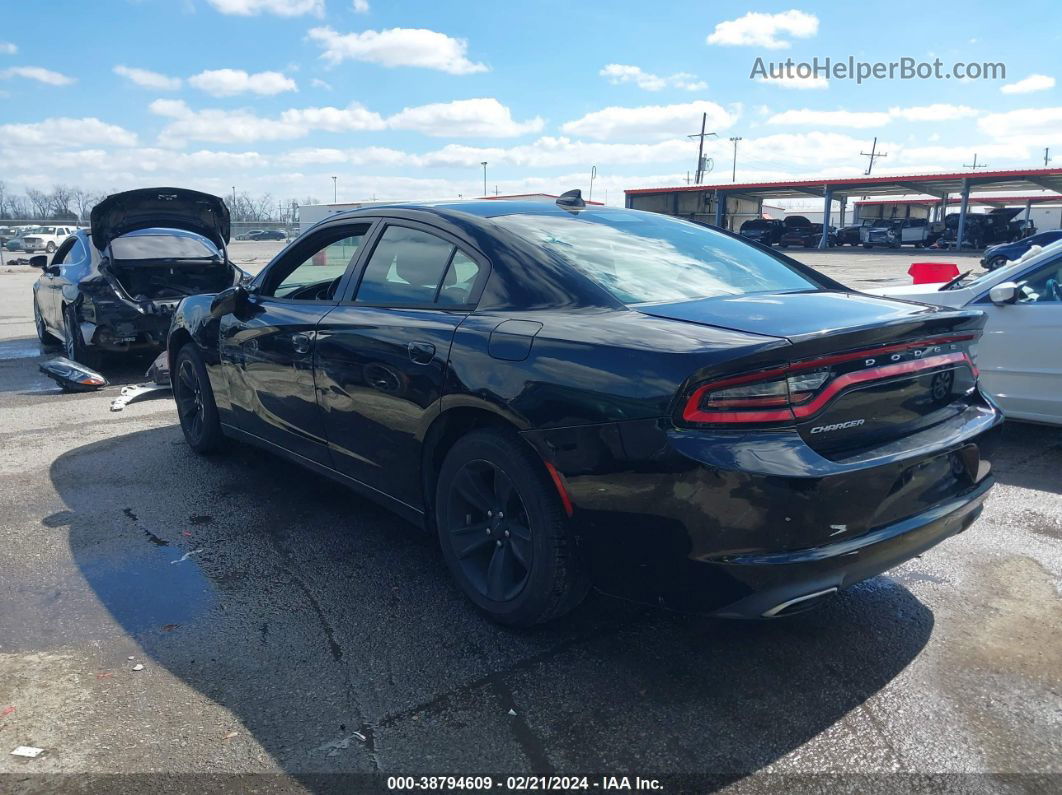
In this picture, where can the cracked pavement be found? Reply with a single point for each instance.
(289, 628)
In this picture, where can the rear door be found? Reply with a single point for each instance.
(267, 353)
(1019, 353)
(382, 353)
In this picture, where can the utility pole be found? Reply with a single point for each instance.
(1046, 158)
(699, 172)
(593, 174)
(733, 169)
(872, 154)
(335, 191)
(234, 197)
(975, 165)
(484, 164)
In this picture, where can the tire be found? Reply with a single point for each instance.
(46, 337)
(196, 408)
(997, 262)
(50, 248)
(525, 568)
(74, 346)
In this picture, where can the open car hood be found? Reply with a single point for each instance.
(168, 208)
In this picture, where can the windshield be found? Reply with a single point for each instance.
(646, 257)
(757, 224)
(1007, 272)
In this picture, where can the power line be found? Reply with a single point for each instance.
(873, 154)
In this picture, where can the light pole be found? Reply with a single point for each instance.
(334, 191)
(593, 174)
(234, 197)
(484, 164)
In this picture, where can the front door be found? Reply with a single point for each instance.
(382, 355)
(268, 350)
(1018, 354)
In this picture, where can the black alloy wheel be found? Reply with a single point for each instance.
(43, 334)
(489, 531)
(74, 347)
(997, 262)
(196, 408)
(504, 532)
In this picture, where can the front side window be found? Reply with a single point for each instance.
(646, 257)
(312, 271)
(1043, 286)
(406, 268)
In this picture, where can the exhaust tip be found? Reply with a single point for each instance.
(798, 604)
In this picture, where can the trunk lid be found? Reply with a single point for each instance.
(168, 208)
(859, 370)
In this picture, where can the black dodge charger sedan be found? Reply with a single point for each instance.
(572, 396)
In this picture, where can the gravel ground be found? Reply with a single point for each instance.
(291, 630)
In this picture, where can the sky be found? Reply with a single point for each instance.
(404, 99)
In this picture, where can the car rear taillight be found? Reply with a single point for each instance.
(800, 389)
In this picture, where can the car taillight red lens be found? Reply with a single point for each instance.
(750, 399)
(800, 389)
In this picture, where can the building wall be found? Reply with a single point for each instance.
(698, 206)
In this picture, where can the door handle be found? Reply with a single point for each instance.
(301, 343)
(421, 352)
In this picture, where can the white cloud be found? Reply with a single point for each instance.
(397, 47)
(831, 118)
(229, 82)
(1029, 126)
(66, 132)
(221, 126)
(654, 121)
(485, 117)
(361, 6)
(353, 118)
(38, 73)
(319, 83)
(936, 112)
(799, 83)
(756, 29)
(1029, 84)
(623, 73)
(866, 119)
(148, 79)
(7, 48)
(281, 8)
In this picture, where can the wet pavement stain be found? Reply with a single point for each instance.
(146, 589)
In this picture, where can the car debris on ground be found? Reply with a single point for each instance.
(71, 376)
(159, 373)
(27, 751)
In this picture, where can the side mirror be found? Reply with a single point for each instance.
(230, 301)
(1005, 293)
(39, 261)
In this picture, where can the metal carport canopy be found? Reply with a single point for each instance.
(939, 185)
(892, 185)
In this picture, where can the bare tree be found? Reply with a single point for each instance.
(18, 207)
(83, 202)
(40, 202)
(61, 197)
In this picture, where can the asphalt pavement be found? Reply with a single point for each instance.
(289, 631)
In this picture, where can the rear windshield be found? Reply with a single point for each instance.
(646, 257)
(162, 247)
(757, 224)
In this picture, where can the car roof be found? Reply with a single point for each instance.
(480, 208)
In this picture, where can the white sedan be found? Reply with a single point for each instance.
(1020, 355)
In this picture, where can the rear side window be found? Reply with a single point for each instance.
(407, 269)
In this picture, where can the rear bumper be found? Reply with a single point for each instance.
(735, 525)
(786, 582)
